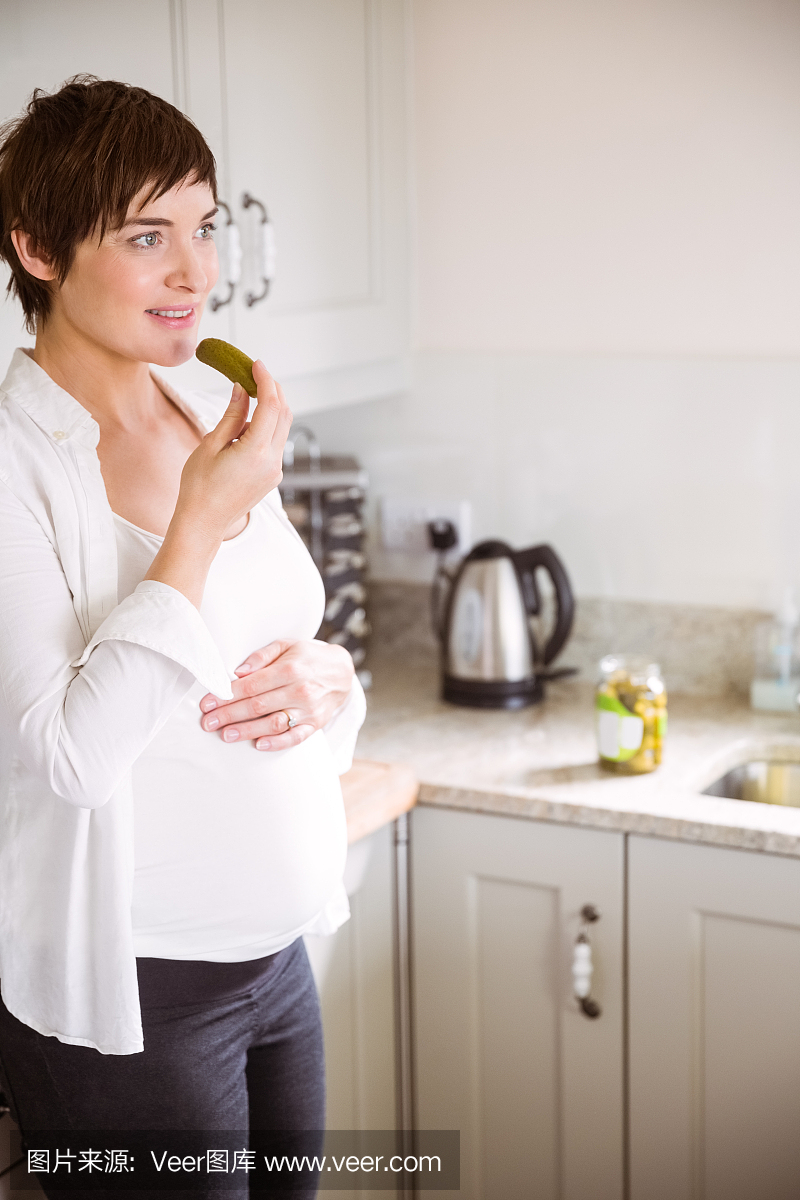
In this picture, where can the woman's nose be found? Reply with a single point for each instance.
(189, 272)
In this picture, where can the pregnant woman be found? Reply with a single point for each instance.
(171, 819)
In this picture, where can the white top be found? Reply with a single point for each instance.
(237, 851)
(86, 683)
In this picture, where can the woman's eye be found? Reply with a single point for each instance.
(146, 239)
(207, 231)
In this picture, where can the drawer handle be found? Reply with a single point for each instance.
(582, 966)
(233, 257)
(266, 250)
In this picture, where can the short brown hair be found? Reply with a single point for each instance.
(71, 164)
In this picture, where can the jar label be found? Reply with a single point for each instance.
(619, 731)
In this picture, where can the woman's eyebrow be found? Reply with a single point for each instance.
(163, 220)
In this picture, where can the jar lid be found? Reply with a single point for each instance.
(639, 668)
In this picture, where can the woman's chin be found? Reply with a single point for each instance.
(174, 355)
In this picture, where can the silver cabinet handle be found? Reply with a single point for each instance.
(267, 248)
(582, 966)
(233, 255)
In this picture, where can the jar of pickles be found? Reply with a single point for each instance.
(631, 714)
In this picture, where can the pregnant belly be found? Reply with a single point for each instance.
(233, 846)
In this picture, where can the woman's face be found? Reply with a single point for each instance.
(140, 292)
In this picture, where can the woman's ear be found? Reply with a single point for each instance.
(28, 255)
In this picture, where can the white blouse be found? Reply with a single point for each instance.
(86, 683)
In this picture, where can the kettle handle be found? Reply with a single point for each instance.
(441, 589)
(544, 556)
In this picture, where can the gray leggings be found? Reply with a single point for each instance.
(228, 1047)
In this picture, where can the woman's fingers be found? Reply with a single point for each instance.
(271, 418)
(270, 729)
(262, 657)
(239, 461)
(270, 670)
(307, 680)
(250, 681)
(285, 741)
(233, 420)
(298, 701)
(271, 413)
(245, 712)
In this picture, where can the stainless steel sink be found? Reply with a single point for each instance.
(764, 782)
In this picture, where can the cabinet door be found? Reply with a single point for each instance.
(148, 44)
(503, 1052)
(303, 104)
(355, 977)
(714, 1023)
(354, 970)
(314, 101)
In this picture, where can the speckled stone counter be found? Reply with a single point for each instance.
(541, 762)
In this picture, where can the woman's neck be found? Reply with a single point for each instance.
(114, 389)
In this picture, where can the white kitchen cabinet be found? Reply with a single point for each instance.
(503, 1051)
(315, 131)
(303, 104)
(355, 974)
(714, 1023)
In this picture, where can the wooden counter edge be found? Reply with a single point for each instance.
(376, 793)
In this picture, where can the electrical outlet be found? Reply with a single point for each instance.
(404, 523)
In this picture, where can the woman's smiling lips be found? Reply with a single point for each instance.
(173, 318)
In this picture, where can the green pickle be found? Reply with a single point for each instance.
(631, 714)
(229, 361)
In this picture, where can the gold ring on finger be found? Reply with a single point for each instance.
(290, 721)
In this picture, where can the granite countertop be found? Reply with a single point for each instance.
(541, 762)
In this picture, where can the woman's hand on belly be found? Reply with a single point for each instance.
(302, 681)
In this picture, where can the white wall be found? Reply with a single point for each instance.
(608, 302)
(656, 479)
(620, 176)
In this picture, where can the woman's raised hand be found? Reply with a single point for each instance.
(239, 461)
(303, 681)
(233, 468)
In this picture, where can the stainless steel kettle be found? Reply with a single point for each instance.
(489, 656)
